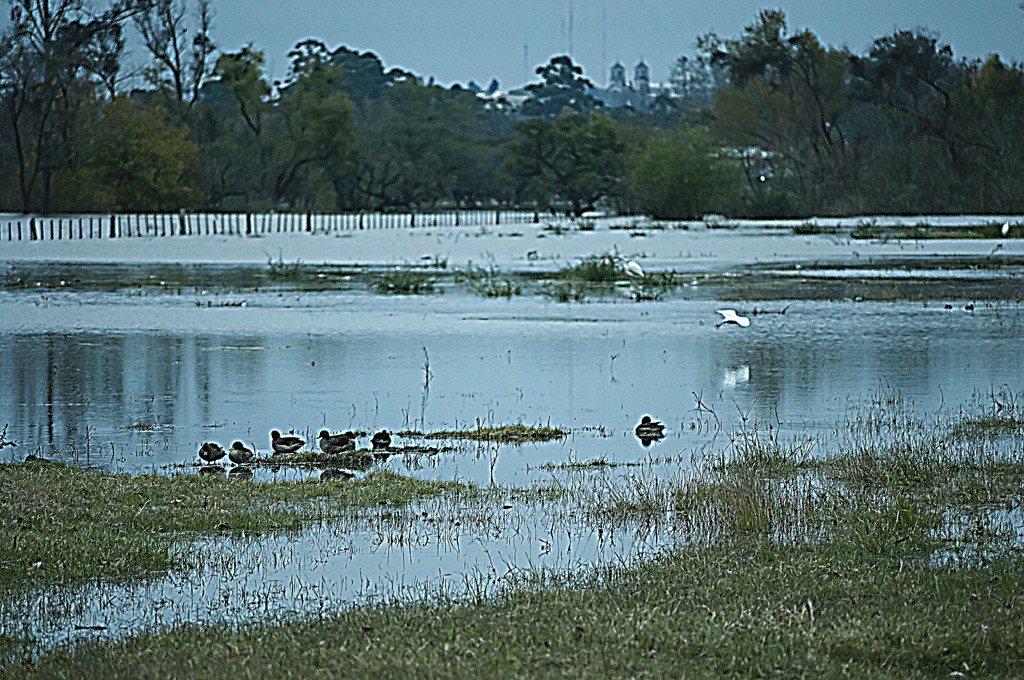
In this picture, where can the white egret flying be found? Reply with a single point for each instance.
(730, 316)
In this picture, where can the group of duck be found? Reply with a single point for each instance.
(330, 444)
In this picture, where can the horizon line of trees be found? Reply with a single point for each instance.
(768, 123)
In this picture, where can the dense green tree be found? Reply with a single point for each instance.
(313, 128)
(989, 110)
(684, 175)
(571, 162)
(912, 76)
(135, 160)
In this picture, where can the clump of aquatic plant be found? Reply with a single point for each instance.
(358, 459)
(812, 228)
(605, 268)
(404, 282)
(280, 270)
(488, 281)
(564, 291)
(1000, 414)
(865, 230)
(507, 434)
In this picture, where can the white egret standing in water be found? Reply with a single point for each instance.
(730, 316)
(1005, 229)
(633, 268)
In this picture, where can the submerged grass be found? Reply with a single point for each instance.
(280, 270)
(405, 282)
(488, 281)
(922, 232)
(61, 524)
(884, 552)
(507, 434)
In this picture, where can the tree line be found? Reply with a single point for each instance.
(770, 122)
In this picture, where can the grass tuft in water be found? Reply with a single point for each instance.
(405, 282)
(507, 434)
(488, 281)
(285, 271)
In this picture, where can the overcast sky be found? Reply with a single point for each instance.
(459, 40)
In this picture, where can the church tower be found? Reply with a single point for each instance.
(618, 78)
(642, 78)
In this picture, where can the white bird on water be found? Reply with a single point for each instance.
(633, 268)
(1006, 229)
(730, 316)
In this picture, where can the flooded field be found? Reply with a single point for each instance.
(130, 367)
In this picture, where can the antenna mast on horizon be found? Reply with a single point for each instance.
(604, 39)
(571, 22)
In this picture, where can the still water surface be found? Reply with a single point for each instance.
(136, 382)
(132, 383)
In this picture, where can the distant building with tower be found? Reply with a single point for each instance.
(637, 94)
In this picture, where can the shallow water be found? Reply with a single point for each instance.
(135, 379)
(125, 382)
(423, 552)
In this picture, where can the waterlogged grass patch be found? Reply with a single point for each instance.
(606, 268)
(488, 281)
(506, 434)
(737, 610)
(280, 270)
(835, 558)
(923, 231)
(988, 426)
(62, 524)
(405, 282)
(584, 465)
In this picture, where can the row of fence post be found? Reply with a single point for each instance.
(37, 228)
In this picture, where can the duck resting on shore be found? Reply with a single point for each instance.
(211, 452)
(239, 454)
(285, 443)
(381, 440)
(333, 444)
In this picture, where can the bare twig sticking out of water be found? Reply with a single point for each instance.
(426, 389)
(612, 369)
(702, 408)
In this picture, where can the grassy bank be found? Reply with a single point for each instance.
(892, 550)
(61, 524)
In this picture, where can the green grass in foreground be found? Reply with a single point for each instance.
(740, 609)
(894, 555)
(62, 524)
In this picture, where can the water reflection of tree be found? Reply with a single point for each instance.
(65, 387)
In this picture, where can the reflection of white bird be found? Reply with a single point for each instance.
(730, 316)
(1006, 229)
(736, 376)
(634, 269)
